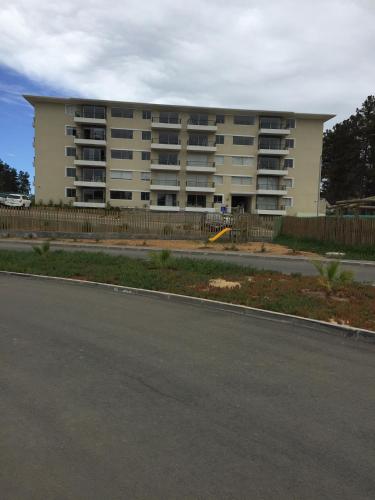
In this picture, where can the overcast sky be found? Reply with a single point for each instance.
(299, 55)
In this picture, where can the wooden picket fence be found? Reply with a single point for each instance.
(355, 231)
(130, 223)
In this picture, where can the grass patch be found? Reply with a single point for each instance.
(321, 247)
(349, 303)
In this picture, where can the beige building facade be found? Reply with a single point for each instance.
(93, 153)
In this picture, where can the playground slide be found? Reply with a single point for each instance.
(220, 234)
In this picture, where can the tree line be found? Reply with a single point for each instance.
(12, 181)
(348, 159)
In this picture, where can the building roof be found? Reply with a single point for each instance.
(35, 99)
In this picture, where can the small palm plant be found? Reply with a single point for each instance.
(330, 275)
(43, 249)
(160, 259)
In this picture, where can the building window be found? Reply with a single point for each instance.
(218, 198)
(121, 195)
(288, 183)
(218, 179)
(168, 159)
(145, 176)
(121, 154)
(145, 196)
(146, 135)
(70, 151)
(198, 119)
(220, 119)
(196, 200)
(268, 162)
(291, 123)
(242, 140)
(243, 120)
(121, 112)
(125, 175)
(70, 192)
(289, 143)
(167, 117)
(70, 171)
(146, 114)
(242, 161)
(219, 139)
(121, 133)
(270, 122)
(287, 202)
(288, 163)
(267, 203)
(219, 160)
(145, 155)
(70, 130)
(237, 179)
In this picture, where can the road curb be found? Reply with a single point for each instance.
(317, 325)
(260, 255)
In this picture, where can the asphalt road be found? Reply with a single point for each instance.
(113, 396)
(364, 273)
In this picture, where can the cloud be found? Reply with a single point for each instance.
(296, 54)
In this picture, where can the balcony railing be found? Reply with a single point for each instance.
(91, 157)
(196, 183)
(177, 204)
(271, 187)
(201, 121)
(92, 136)
(90, 199)
(198, 163)
(167, 140)
(91, 177)
(165, 182)
(97, 113)
(166, 119)
(279, 145)
(161, 161)
(200, 205)
(200, 142)
(271, 167)
(272, 124)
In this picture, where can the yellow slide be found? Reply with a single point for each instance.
(220, 234)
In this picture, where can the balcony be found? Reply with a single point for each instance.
(197, 186)
(270, 211)
(93, 157)
(273, 126)
(91, 114)
(91, 137)
(160, 164)
(270, 189)
(166, 144)
(166, 122)
(165, 184)
(199, 166)
(272, 148)
(270, 170)
(201, 125)
(91, 179)
(201, 146)
(90, 198)
(165, 208)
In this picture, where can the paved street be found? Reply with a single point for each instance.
(113, 396)
(285, 265)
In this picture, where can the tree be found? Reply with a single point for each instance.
(23, 182)
(348, 159)
(13, 182)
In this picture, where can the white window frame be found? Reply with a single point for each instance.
(293, 161)
(289, 198)
(70, 126)
(217, 183)
(249, 158)
(222, 198)
(289, 179)
(71, 147)
(294, 142)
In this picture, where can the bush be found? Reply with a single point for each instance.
(330, 275)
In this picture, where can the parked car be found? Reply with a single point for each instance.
(17, 200)
(3, 198)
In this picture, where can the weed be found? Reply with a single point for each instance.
(330, 275)
(43, 250)
(263, 248)
(160, 259)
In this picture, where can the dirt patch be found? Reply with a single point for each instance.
(251, 247)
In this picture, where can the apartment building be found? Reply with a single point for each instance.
(91, 153)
